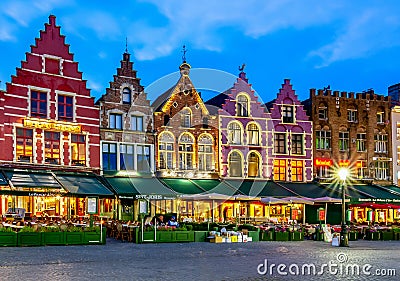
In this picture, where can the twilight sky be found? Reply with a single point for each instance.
(349, 45)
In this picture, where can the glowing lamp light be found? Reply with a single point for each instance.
(343, 173)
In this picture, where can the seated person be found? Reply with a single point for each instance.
(173, 222)
(160, 220)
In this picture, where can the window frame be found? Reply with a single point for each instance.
(288, 112)
(78, 140)
(36, 104)
(279, 169)
(26, 148)
(108, 157)
(113, 121)
(323, 140)
(238, 160)
(280, 143)
(242, 106)
(65, 105)
(135, 122)
(297, 144)
(125, 94)
(51, 141)
(297, 169)
(343, 141)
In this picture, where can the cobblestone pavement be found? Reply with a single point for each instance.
(199, 261)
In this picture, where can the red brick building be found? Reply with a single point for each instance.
(49, 132)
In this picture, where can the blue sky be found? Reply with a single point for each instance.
(350, 45)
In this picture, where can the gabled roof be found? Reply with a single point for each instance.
(218, 100)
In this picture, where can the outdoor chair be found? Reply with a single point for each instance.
(122, 232)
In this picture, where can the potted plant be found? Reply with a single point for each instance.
(28, 236)
(8, 237)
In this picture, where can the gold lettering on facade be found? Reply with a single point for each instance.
(52, 125)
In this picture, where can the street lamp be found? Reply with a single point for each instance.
(343, 173)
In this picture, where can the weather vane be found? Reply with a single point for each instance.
(184, 50)
(241, 68)
(126, 44)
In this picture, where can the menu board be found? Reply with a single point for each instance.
(92, 205)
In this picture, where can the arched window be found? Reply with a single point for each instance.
(254, 165)
(242, 106)
(234, 133)
(166, 150)
(186, 142)
(205, 150)
(126, 96)
(235, 164)
(185, 118)
(253, 134)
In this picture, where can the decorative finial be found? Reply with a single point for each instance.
(184, 50)
(126, 44)
(241, 68)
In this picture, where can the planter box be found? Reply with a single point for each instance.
(387, 235)
(353, 235)
(281, 236)
(319, 236)
(267, 236)
(200, 236)
(53, 238)
(296, 236)
(92, 237)
(396, 235)
(373, 235)
(165, 236)
(74, 238)
(255, 235)
(29, 238)
(8, 239)
(183, 236)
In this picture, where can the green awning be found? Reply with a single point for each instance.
(393, 188)
(136, 188)
(376, 191)
(260, 188)
(311, 190)
(82, 185)
(183, 186)
(32, 179)
(215, 186)
(351, 193)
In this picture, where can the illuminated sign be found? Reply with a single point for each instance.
(321, 214)
(344, 163)
(323, 162)
(52, 125)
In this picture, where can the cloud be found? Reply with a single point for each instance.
(372, 30)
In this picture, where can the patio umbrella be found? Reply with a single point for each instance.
(207, 196)
(326, 200)
(299, 200)
(273, 200)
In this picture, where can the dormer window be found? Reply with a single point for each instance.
(126, 96)
(380, 117)
(185, 118)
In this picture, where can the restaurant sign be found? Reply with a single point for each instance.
(155, 197)
(375, 200)
(52, 125)
(323, 162)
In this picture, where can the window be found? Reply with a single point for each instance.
(78, 146)
(380, 117)
(126, 96)
(254, 165)
(280, 143)
(24, 144)
(323, 171)
(205, 122)
(279, 170)
(322, 113)
(235, 164)
(166, 150)
(205, 151)
(253, 135)
(297, 144)
(323, 139)
(361, 169)
(115, 121)
(185, 118)
(343, 141)
(186, 142)
(234, 133)
(109, 157)
(137, 123)
(381, 143)
(126, 157)
(352, 115)
(242, 106)
(381, 170)
(143, 158)
(297, 170)
(38, 104)
(361, 142)
(65, 108)
(52, 147)
(287, 114)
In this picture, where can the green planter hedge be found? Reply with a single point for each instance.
(319, 236)
(200, 236)
(282, 236)
(8, 239)
(53, 238)
(296, 236)
(74, 238)
(183, 236)
(267, 235)
(387, 235)
(29, 238)
(255, 235)
(94, 237)
(353, 235)
(373, 235)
